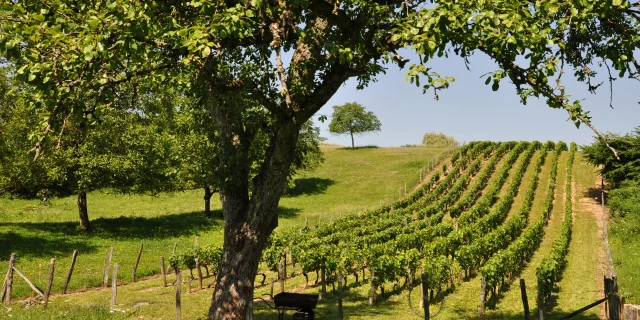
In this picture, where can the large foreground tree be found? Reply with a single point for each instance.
(77, 51)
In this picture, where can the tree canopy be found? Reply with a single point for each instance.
(438, 139)
(85, 56)
(351, 118)
(616, 171)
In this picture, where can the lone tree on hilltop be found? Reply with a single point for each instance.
(351, 118)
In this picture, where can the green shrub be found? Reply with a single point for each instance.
(439, 139)
(209, 256)
(625, 200)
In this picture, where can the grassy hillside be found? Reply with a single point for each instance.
(348, 180)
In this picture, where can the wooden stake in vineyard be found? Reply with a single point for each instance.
(164, 273)
(135, 267)
(114, 287)
(178, 291)
(73, 263)
(47, 291)
(7, 291)
(107, 267)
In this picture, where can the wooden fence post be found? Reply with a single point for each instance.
(425, 295)
(4, 287)
(178, 289)
(163, 271)
(199, 274)
(73, 263)
(114, 287)
(175, 245)
(281, 280)
(540, 301)
(12, 262)
(33, 287)
(284, 265)
(613, 301)
(271, 291)
(189, 283)
(47, 291)
(372, 297)
(483, 296)
(107, 267)
(340, 315)
(525, 301)
(323, 277)
(135, 267)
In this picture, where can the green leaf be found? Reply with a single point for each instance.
(488, 80)
(88, 49)
(32, 76)
(617, 3)
(206, 52)
(495, 86)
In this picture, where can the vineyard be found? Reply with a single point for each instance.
(486, 216)
(460, 226)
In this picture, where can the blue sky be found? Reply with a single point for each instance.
(470, 110)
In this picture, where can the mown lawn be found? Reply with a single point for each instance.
(349, 180)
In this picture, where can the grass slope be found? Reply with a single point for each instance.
(349, 179)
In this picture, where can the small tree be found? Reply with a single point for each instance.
(351, 118)
(439, 139)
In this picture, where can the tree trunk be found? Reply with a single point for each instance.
(353, 145)
(82, 209)
(207, 201)
(249, 217)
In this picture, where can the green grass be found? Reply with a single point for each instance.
(625, 251)
(349, 180)
(582, 279)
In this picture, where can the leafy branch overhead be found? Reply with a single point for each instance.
(83, 52)
(533, 44)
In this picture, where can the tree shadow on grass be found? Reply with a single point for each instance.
(133, 228)
(287, 213)
(309, 186)
(126, 228)
(39, 246)
(595, 193)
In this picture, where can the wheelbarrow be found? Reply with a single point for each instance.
(302, 303)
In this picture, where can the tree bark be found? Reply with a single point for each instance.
(249, 217)
(353, 145)
(207, 201)
(82, 209)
